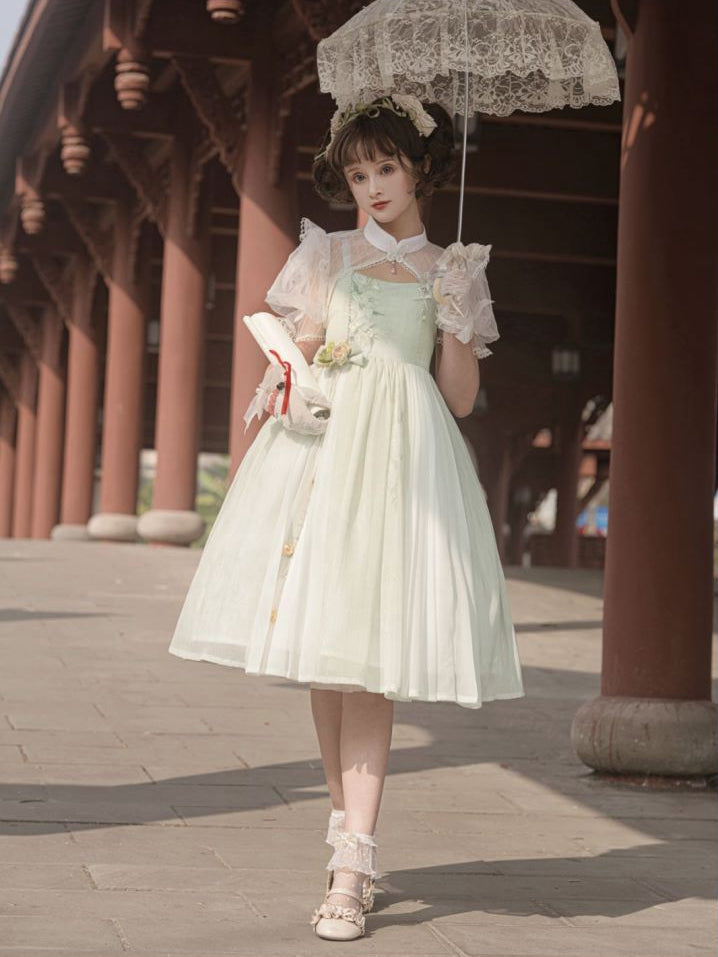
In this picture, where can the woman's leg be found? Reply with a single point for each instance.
(365, 741)
(366, 728)
(327, 714)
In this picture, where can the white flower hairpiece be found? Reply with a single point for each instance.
(403, 104)
(411, 104)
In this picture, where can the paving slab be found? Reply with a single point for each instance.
(151, 806)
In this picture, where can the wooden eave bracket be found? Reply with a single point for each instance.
(9, 378)
(103, 114)
(173, 29)
(98, 243)
(130, 157)
(299, 72)
(57, 282)
(29, 170)
(123, 20)
(322, 17)
(8, 224)
(72, 100)
(27, 327)
(225, 126)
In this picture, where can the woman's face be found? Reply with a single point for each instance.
(381, 187)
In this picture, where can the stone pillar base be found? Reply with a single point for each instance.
(70, 533)
(668, 736)
(113, 527)
(170, 526)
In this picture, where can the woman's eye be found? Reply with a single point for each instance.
(389, 168)
(357, 177)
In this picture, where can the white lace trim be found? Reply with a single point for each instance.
(289, 327)
(355, 852)
(468, 311)
(336, 825)
(532, 55)
(480, 350)
(299, 291)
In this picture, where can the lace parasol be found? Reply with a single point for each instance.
(490, 56)
(530, 55)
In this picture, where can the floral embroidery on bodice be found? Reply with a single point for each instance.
(391, 320)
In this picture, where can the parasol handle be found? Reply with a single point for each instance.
(466, 124)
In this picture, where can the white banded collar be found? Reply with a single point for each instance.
(383, 240)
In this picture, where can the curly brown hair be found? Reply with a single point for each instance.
(386, 134)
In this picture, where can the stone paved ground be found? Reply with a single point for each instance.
(155, 806)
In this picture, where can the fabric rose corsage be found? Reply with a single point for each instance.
(338, 354)
(461, 292)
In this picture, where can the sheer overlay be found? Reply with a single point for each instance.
(301, 292)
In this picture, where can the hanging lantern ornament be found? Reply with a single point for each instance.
(74, 152)
(225, 11)
(32, 215)
(8, 266)
(132, 80)
(489, 56)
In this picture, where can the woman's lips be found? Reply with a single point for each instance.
(380, 205)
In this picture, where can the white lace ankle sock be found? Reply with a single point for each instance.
(336, 825)
(354, 851)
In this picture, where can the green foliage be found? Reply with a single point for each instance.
(211, 489)
(212, 483)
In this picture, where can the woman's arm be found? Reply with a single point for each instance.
(457, 375)
(308, 347)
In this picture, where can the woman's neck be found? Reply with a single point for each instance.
(405, 225)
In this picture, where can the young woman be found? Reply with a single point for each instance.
(362, 560)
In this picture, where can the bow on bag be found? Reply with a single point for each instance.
(461, 292)
(287, 401)
(266, 393)
(287, 366)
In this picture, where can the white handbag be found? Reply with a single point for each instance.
(293, 372)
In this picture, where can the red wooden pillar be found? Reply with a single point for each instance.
(50, 427)
(268, 229)
(7, 462)
(124, 386)
(81, 410)
(173, 518)
(655, 714)
(25, 447)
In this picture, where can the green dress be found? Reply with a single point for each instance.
(363, 558)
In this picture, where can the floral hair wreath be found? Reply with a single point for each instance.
(403, 104)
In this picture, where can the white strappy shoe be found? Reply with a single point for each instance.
(337, 921)
(354, 852)
(368, 891)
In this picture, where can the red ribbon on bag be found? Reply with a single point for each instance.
(287, 366)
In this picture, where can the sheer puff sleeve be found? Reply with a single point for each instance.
(461, 291)
(299, 292)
